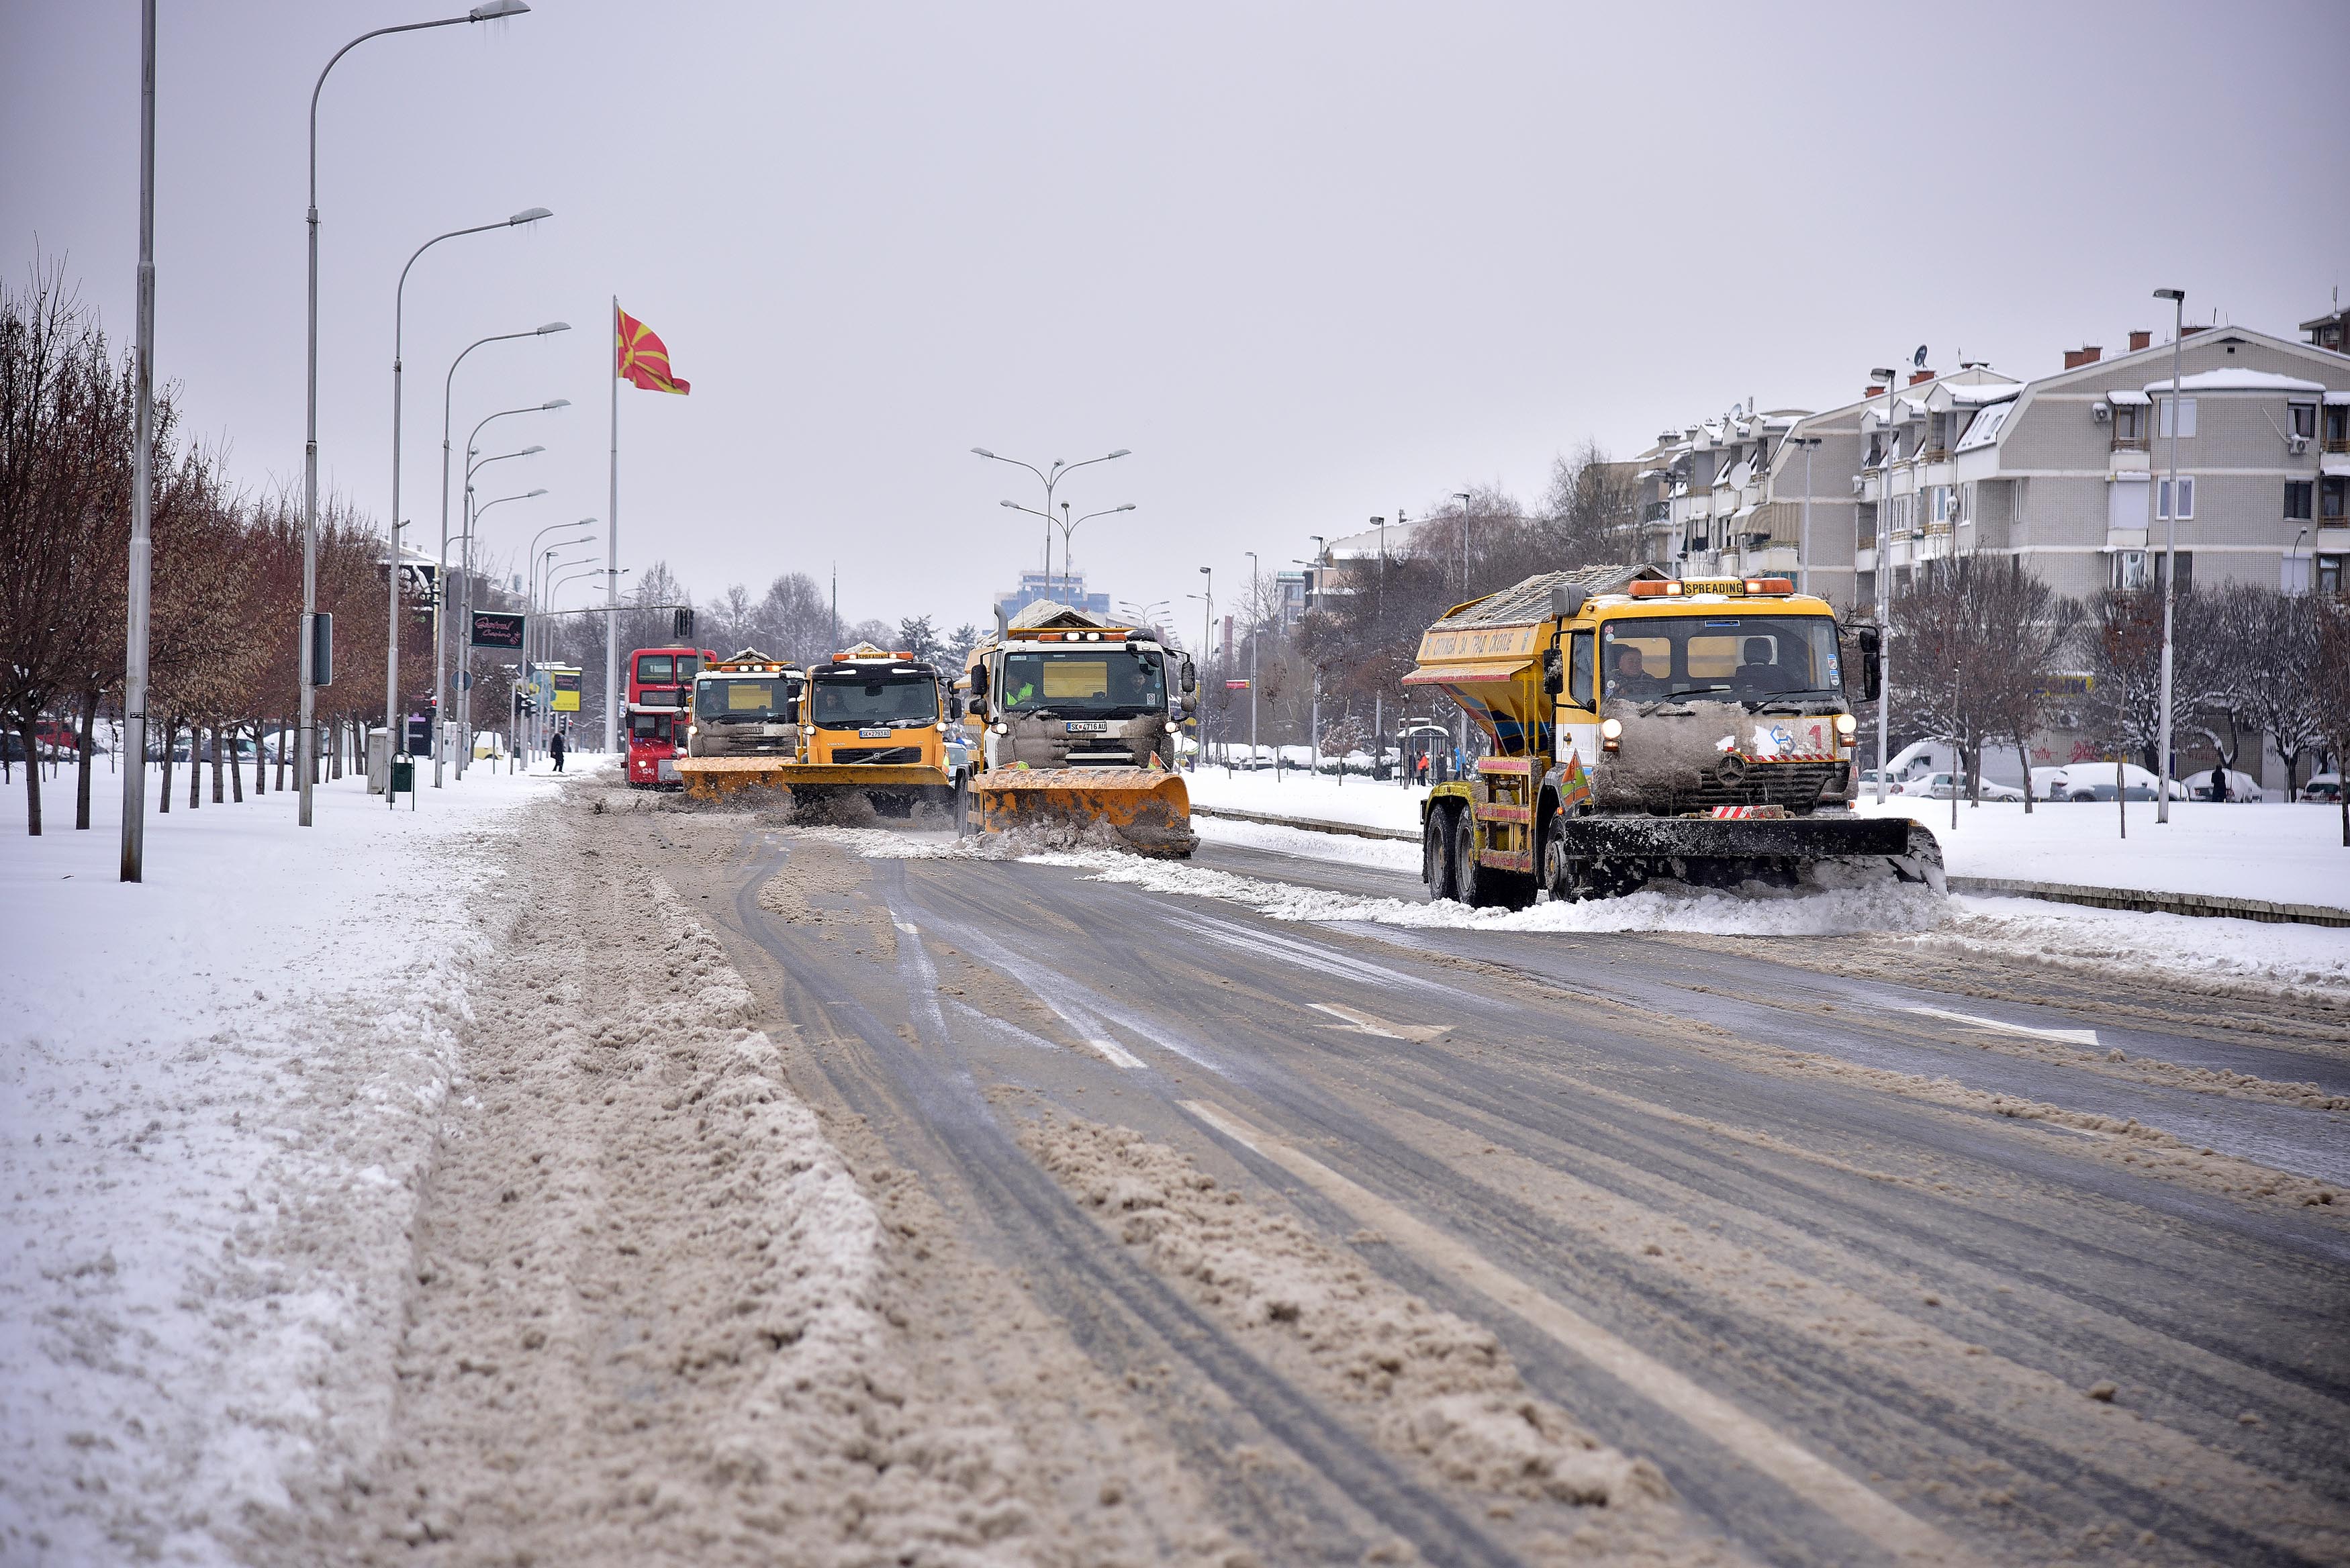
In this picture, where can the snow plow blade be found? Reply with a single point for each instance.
(714, 778)
(1148, 809)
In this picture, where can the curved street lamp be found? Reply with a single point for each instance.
(305, 738)
(465, 558)
(399, 318)
(1048, 478)
(448, 391)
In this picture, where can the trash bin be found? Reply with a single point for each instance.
(403, 777)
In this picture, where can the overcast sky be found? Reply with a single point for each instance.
(1309, 262)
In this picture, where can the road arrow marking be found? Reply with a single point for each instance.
(1364, 1023)
(2068, 1036)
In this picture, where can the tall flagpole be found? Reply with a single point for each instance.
(612, 557)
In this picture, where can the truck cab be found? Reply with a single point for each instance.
(1069, 691)
(746, 705)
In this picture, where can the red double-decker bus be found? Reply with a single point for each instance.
(660, 692)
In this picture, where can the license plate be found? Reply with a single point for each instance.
(666, 771)
(1086, 727)
(880, 734)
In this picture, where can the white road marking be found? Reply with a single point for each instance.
(2069, 1037)
(1119, 1057)
(1770, 1452)
(1365, 1024)
(909, 931)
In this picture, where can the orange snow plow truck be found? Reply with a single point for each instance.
(868, 725)
(1643, 729)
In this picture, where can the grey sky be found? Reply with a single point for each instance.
(1310, 262)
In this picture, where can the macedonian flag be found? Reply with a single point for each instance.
(643, 356)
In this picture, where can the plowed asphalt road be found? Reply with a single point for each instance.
(1872, 1265)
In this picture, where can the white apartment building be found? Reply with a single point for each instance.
(2067, 471)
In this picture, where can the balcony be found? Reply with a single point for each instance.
(2130, 443)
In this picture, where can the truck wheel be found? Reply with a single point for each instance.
(1438, 868)
(960, 810)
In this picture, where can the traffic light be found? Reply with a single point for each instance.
(681, 625)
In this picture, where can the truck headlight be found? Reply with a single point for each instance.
(1611, 730)
(1173, 728)
(1847, 724)
(1000, 729)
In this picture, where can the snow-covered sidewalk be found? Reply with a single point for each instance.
(219, 1089)
(2289, 854)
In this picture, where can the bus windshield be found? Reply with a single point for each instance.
(1748, 659)
(837, 702)
(745, 700)
(1102, 682)
(651, 727)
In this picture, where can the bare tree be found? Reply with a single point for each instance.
(2272, 675)
(2332, 687)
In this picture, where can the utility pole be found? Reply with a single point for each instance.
(1257, 634)
(1461, 742)
(1882, 575)
(1803, 545)
(2177, 298)
(142, 482)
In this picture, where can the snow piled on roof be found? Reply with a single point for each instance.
(1530, 600)
(2230, 378)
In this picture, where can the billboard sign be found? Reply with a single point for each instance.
(497, 628)
(566, 687)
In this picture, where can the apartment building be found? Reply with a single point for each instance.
(2067, 473)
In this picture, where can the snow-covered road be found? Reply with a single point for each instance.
(602, 1180)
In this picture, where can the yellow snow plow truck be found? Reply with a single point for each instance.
(743, 723)
(1076, 720)
(1645, 729)
(869, 725)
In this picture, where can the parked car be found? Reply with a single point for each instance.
(2326, 787)
(2240, 785)
(2095, 781)
(1942, 786)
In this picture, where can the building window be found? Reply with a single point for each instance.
(2329, 572)
(2185, 417)
(2130, 425)
(2129, 572)
(2300, 495)
(2303, 418)
(2294, 578)
(2332, 494)
(2186, 497)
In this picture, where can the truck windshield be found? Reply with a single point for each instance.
(1726, 658)
(848, 703)
(743, 699)
(1106, 682)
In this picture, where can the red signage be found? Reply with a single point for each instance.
(1235, 685)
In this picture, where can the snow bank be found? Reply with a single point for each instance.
(2291, 853)
(219, 1086)
(1320, 799)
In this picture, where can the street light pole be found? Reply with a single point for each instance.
(464, 560)
(1256, 629)
(305, 739)
(1048, 478)
(1883, 590)
(1462, 714)
(2177, 298)
(142, 482)
(538, 559)
(399, 319)
(441, 584)
(1803, 544)
(1207, 618)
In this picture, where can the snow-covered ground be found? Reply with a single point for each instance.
(2292, 854)
(219, 1087)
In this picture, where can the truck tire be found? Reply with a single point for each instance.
(959, 810)
(1438, 868)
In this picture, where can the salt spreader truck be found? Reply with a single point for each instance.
(1644, 728)
(1076, 719)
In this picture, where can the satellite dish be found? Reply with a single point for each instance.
(1918, 359)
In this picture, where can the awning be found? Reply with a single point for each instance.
(1467, 674)
(2337, 396)
(2122, 399)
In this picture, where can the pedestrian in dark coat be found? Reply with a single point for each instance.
(555, 748)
